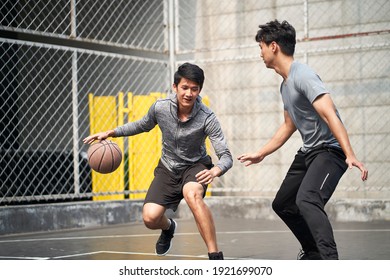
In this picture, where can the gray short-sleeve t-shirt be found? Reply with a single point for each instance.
(298, 92)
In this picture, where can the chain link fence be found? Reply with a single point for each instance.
(55, 53)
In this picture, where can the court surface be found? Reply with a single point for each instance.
(237, 238)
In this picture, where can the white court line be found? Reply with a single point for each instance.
(126, 253)
(24, 258)
(176, 234)
(76, 238)
(141, 254)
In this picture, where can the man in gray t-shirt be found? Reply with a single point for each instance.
(299, 91)
(326, 152)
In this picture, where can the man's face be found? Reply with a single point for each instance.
(186, 91)
(267, 53)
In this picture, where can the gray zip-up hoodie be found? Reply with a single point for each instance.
(183, 143)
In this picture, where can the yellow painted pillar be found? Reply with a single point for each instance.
(103, 116)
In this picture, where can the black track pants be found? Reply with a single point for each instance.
(300, 201)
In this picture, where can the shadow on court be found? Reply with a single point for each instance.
(237, 238)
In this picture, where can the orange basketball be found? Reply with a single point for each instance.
(104, 156)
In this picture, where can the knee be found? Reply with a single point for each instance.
(193, 195)
(150, 221)
(306, 201)
(284, 208)
(300, 202)
(277, 206)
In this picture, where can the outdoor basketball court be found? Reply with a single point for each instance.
(237, 238)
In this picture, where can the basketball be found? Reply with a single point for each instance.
(104, 156)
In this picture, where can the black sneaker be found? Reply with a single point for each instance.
(216, 256)
(164, 243)
(302, 255)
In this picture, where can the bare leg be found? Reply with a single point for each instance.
(193, 195)
(154, 216)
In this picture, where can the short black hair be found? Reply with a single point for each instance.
(191, 72)
(281, 33)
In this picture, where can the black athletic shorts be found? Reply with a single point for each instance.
(166, 188)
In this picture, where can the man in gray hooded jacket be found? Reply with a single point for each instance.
(185, 169)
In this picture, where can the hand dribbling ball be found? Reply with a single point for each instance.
(104, 156)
